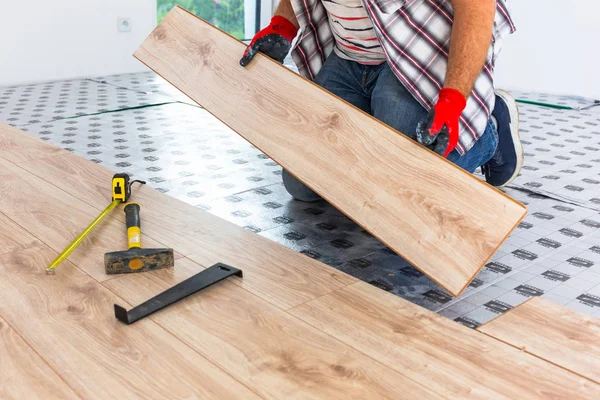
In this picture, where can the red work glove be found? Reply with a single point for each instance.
(274, 41)
(439, 131)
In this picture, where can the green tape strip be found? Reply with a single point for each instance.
(121, 109)
(539, 103)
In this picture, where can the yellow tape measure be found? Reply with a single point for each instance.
(121, 187)
(121, 190)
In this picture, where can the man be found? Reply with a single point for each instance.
(423, 67)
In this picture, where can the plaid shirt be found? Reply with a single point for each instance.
(415, 36)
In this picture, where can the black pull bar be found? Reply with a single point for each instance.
(200, 281)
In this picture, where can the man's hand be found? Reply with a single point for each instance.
(440, 131)
(274, 41)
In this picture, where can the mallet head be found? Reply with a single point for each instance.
(137, 260)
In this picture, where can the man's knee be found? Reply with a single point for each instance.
(297, 189)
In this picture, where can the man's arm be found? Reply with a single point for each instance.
(469, 43)
(285, 10)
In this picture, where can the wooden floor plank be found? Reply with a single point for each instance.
(24, 374)
(55, 217)
(13, 141)
(69, 319)
(552, 332)
(12, 238)
(447, 357)
(273, 353)
(444, 221)
(275, 273)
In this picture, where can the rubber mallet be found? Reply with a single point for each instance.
(135, 258)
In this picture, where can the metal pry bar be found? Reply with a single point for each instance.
(200, 281)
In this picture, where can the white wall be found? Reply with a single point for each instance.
(43, 40)
(555, 48)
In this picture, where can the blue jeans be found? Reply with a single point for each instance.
(377, 91)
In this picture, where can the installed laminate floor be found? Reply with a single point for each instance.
(183, 151)
(553, 333)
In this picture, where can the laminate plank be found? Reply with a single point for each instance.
(434, 351)
(68, 318)
(444, 221)
(273, 353)
(24, 374)
(272, 271)
(13, 239)
(55, 218)
(13, 142)
(552, 332)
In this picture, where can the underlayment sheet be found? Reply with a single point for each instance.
(177, 148)
(25, 105)
(562, 154)
(192, 156)
(147, 82)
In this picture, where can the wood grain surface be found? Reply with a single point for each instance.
(24, 374)
(273, 353)
(552, 332)
(13, 141)
(447, 357)
(444, 221)
(55, 217)
(271, 271)
(68, 318)
(12, 238)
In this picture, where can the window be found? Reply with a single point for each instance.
(236, 17)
